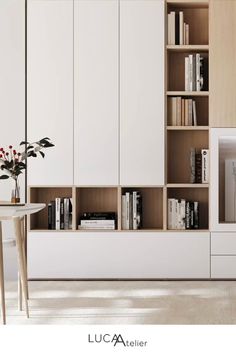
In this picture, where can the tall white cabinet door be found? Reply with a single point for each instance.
(142, 92)
(96, 92)
(50, 89)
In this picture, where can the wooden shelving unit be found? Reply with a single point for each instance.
(180, 139)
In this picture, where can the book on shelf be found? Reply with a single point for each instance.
(178, 30)
(131, 210)
(183, 214)
(182, 112)
(60, 214)
(98, 221)
(199, 165)
(196, 73)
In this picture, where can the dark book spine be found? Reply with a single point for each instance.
(53, 215)
(191, 205)
(50, 216)
(196, 215)
(205, 74)
(62, 225)
(198, 168)
(187, 216)
(176, 28)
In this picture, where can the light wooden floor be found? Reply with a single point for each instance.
(126, 302)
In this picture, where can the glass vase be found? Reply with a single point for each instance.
(15, 193)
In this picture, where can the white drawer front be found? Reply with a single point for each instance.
(223, 243)
(223, 267)
(118, 255)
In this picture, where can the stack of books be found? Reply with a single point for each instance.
(60, 214)
(182, 111)
(199, 165)
(182, 214)
(178, 30)
(196, 73)
(98, 221)
(131, 211)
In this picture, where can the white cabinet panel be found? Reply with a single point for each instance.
(223, 267)
(96, 92)
(142, 92)
(118, 255)
(223, 243)
(50, 89)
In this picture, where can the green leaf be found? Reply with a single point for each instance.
(24, 143)
(42, 154)
(4, 177)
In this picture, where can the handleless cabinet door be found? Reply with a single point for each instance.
(96, 92)
(142, 92)
(50, 89)
(222, 107)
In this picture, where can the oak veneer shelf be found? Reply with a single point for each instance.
(187, 93)
(187, 185)
(185, 127)
(189, 47)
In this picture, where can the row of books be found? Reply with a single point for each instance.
(183, 111)
(183, 214)
(196, 73)
(178, 30)
(98, 221)
(60, 214)
(131, 211)
(199, 165)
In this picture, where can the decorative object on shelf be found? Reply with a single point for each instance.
(12, 162)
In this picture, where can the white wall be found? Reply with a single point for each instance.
(12, 99)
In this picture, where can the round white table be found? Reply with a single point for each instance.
(16, 213)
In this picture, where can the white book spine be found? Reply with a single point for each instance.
(97, 222)
(57, 212)
(205, 166)
(172, 27)
(190, 112)
(186, 34)
(135, 225)
(176, 214)
(191, 72)
(127, 207)
(169, 30)
(170, 213)
(194, 113)
(198, 77)
(123, 215)
(182, 214)
(96, 227)
(186, 73)
(181, 28)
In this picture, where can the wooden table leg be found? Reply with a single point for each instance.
(19, 293)
(21, 261)
(2, 279)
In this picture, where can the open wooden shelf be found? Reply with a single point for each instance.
(187, 185)
(187, 48)
(196, 14)
(176, 69)
(96, 199)
(152, 206)
(199, 194)
(179, 143)
(202, 110)
(187, 93)
(39, 221)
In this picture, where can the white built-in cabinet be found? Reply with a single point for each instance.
(141, 92)
(96, 88)
(50, 89)
(96, 96)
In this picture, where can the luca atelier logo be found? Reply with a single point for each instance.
(115, 339)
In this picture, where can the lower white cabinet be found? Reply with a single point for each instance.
(223, 267)
(118, 255)
(223, 255)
